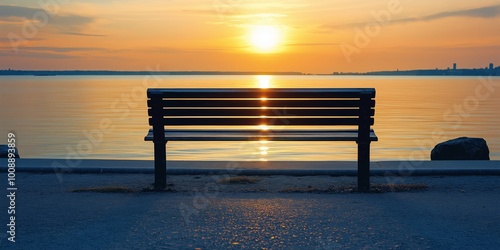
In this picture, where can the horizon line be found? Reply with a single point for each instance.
(208, 72)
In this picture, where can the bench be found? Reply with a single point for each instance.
(233, 114)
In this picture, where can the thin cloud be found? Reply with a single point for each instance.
(64, 22)
(57, 49)
(482, 12)
(71, 22)
(50, 52)
(81, 34)
(31, 54)
(8, 11)
(8, 40)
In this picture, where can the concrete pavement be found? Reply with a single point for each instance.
(454, 212)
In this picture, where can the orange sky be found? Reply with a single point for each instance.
(320, 36)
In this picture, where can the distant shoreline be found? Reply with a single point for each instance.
(417, 72)
(126, 73)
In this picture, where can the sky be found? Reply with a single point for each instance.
(320, 36)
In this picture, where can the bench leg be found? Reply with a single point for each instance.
(364, 166)
(160, 165)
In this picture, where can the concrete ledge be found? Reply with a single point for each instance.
(294, 168)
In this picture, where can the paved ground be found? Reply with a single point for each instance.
(275, 212)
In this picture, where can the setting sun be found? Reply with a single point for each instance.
(265, 38)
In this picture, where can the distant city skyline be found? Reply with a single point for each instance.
(490, 70)
(217, 35)
(489, 66)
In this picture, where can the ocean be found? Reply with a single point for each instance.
(105, 117)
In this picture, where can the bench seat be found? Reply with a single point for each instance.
(257, 135)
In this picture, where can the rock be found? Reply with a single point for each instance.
(462, 148)
(4, 152)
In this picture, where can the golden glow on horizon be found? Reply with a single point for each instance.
(265, 38)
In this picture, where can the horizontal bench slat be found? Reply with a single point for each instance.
(261, 103)
(259, 121)
(255, 92)
(255, 135)
(260, 112)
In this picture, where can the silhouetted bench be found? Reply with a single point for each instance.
(238, 114)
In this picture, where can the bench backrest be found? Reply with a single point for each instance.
(257, 107)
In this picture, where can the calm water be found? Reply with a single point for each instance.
(104, 117)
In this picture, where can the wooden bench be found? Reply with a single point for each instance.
(338, 114)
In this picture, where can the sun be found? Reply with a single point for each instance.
(265, 38)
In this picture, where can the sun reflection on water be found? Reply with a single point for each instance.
(264, 81)
(263, 150)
